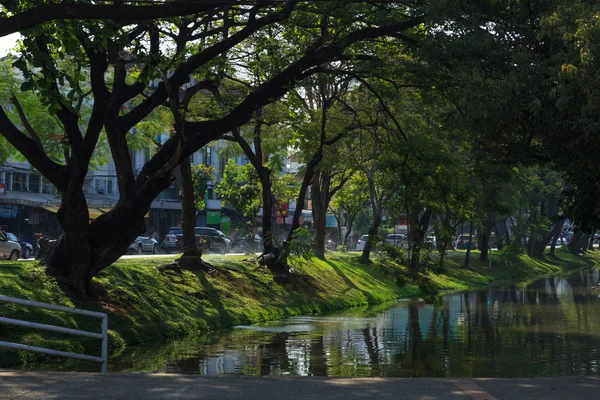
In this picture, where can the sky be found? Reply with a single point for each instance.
(6, 42)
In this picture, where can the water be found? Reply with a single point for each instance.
(550, 327)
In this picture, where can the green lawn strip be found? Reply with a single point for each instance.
(145, 304)
(507, 267)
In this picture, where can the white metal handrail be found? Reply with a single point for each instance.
(104, 335)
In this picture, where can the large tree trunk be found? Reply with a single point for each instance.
(188, 210)
(554, 235)
(70, 259)
(282, 263)
(321, 181)
(349, 229)
(264, 175)
(418, 228)
(537, 245)
(366, 254)
(506, 232)
(485, 237)
(575, 244)
(85, 249)
(468, 255)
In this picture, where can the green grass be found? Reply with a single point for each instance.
(146, 304)
(507, 267)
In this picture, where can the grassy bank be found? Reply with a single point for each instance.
(147, 304)
(506, 266)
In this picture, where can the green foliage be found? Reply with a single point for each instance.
(201, 176)
(301, 245)
(240, 188)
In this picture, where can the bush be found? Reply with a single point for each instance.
(301, 246)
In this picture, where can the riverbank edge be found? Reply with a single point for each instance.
(145, 304)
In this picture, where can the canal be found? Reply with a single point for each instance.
(546, 328)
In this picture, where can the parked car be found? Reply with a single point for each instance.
(431, 240)
(143, 244)
(26, 247)
(172, 238)
(462, 242)
(210, 239)
(360, 245)
(9, 250)
(227, 240)
(398, 239)
(244, 244)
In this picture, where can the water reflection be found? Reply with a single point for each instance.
(550, 327)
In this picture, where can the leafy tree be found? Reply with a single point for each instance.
(240, 188)
(201, 175)
(348, 202)
(104, 50)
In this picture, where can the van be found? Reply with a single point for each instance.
(398, 239)
(360, 245)
(462, 242)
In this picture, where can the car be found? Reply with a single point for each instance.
(398, 239)
(210, 239)
(172, 239)
(144, 243)
(245, 244)
(9, 250)
(227, 240)
(360, 245)
(26, 247)
(462, 242)
(431, 239)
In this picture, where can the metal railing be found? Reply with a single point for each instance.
(104, 335)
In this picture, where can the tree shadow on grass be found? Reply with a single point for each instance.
(214, 297)
(349, 282)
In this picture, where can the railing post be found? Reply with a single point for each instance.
(104, 335)
(104, 354)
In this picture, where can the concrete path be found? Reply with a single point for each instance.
(131, 386)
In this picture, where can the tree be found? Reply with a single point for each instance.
(240, 188)
(98, 47)
(201, 176)
(348, 202)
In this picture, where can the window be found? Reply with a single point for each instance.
(109, 186)
(207, 157)
(100, 186)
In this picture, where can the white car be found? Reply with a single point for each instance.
(432, 240)
(360, 245)
(398, 239)
(9, 250)
(144, 244)
(227, 241)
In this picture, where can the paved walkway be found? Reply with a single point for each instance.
(131, 386)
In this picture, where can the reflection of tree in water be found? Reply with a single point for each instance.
(371, 342)
(273, 354)
(318, 357)
(550, 327)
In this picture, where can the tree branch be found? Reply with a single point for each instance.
(182, 73)
(32, 133)
(35, 154)
(122, 13)
(266, 93)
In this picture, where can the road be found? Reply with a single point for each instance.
(167, 256)
(131, 386)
